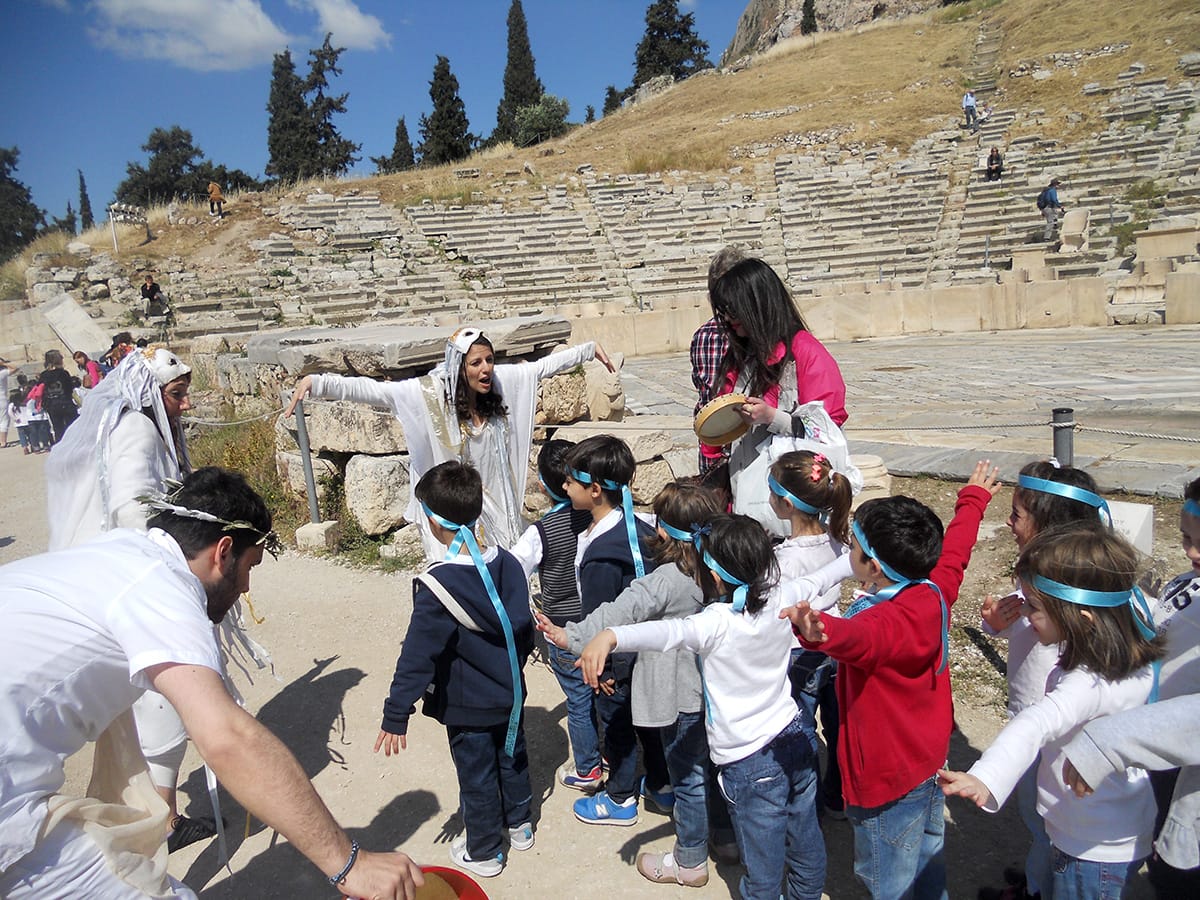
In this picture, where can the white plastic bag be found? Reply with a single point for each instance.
(751, 496)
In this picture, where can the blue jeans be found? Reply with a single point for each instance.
(1083, 879)
(686, 748)
(898, 846)
(620, 742)
(772, 797)
(812, 676)
(493, 788)
(581, 710)
(1037, 861)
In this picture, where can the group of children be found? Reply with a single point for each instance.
(32, 422)
(712, 647)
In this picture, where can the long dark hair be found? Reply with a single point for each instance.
(744, 550)
(488, 405)
(752, 294)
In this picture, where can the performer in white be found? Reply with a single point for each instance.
(469, 409)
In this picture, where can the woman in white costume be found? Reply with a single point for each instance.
(127, 443)
(469, 409)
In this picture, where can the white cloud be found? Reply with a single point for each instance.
(351, 27)
(60, 5)
(204, 35)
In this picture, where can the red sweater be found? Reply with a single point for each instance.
(895, 711)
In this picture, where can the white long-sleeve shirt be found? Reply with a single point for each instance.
(1115, 824)
(744, 665)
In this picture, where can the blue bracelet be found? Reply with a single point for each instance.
(340, 877)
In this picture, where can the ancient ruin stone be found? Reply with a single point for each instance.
(377, 491)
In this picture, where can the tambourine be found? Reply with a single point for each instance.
(720, 422)
(444, 883)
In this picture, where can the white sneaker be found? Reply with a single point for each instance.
(520, 837)
(484, 868)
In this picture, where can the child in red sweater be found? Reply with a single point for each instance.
(893, 686)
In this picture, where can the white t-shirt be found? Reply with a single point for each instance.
(1112, 825)
(804, 555)
(82, 626)
(744, 665)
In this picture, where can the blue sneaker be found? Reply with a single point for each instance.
(661, 802)
(601, 810)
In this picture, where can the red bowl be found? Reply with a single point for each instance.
(463, 885)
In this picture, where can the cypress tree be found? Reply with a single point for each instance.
(808, 17)
(670, 45)
(521, 84)
(68, 224)
(589, 114)
(85, 205)
(444, 134)
(402, 153)
(291, 141)
(20, 217)
(334, 154)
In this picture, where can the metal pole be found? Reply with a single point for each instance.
(113, 225)
(987, 252)
(310, 485)
(1063, 429)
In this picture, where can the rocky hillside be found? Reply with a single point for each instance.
(764, 23)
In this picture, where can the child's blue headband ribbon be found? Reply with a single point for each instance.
(901, 582)
(1192, 508)
(463, 535)
(560, 502)
(635, 548)
(1070, 491)
(740, 589)
(780, 491)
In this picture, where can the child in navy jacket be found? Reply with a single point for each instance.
(470, 635)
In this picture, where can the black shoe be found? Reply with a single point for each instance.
(185, 831)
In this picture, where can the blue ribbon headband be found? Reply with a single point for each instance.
(900, 583)
(1070, 491)
(740, 589)
(560, 502)
(677, 534)
(635, 548)
(1192, 508)
(463, 536)
(780, 491)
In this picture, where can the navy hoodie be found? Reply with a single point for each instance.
(464, 675)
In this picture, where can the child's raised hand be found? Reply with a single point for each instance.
(555, 634)
(985, 476)
(806, 622)
(591, 660)
(392, 744)
(1000, 612)
(960, 784)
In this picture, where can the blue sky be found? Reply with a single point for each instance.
(85, 81)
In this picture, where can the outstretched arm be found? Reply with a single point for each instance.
(266, 778)
(962, 784)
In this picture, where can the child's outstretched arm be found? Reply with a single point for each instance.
(594, 655)
(806, 622)
(555, 634)
(962, 784)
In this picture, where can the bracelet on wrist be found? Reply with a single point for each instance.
(340, 877)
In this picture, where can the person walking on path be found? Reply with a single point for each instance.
(1050, 207)
(969, 110)
(5, 368)
(215, 200)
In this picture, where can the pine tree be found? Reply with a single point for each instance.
(85, 205)
(670, 45)
(808, 17)
(444, 134)
(402, 153)
(521, 84)
(68, 224)
(614, 98)
(334, 154)
(20, 217)
(589, 114)
(291, 140)
(176, 168)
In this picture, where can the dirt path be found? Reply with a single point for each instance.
(335, 633)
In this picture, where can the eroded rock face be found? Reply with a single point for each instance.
(766, 22)
(377, 491)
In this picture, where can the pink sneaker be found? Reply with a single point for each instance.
(661, 868)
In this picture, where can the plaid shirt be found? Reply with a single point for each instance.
(709, 344)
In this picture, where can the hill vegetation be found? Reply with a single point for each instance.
(885, 84)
